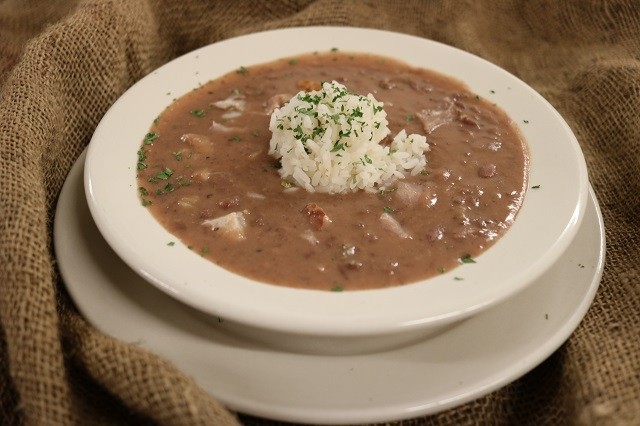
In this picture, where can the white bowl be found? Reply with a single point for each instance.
(309, 320)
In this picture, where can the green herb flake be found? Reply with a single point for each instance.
(234, 138)
(164, 174)
(285, 184)
(525, 121)
(546, 316)
(171, 243)
(255, 133)
(388, 210)
(143, 191)
(535, 187)
(334, 49)
(146, 202)
(441, 269)
(197, 113)
(293, 61)
(150, 137)
(337, 147)
(204, 250)
(409, 118)
(337, 288)
(177, 155)
(242, 70)
(467, 259)
(458, 278)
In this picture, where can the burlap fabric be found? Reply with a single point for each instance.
(63, 63)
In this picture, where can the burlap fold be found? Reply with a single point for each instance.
(62, 64)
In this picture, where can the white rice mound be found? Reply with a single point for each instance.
(329, 141)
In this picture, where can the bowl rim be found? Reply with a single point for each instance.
(557, 207)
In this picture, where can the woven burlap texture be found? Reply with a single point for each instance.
(62, 64)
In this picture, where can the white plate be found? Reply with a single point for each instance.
(543, 229)
(474, 358)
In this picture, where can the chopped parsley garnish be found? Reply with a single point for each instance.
(146, 202)
(409, 117)
(388, 210)
(458, 278)
(143, 191)
(441, 269)
(337, 288)
(150, 137)
(293, 61)
(467, 259)
(164, 174)
(142, 159)
(526, 121)
(234, 138)
(171, 243)
(197, 113)
(242, 70)
(177, 155)
(337, 147)
(535, 187)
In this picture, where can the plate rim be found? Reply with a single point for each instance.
(62, 244)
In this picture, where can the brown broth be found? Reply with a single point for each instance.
(474, 185)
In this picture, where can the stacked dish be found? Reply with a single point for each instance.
(557, 227)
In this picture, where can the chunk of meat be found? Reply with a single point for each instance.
(468, 120)
(231, 225)
(408, 193)
(256, 196)
(234, 106)
(188, 201)
(199, 143)
(391, 224)
(221, 128)
(309, 85)
(317, 217)
(431, 119)
(276, 101)
(232, 102)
